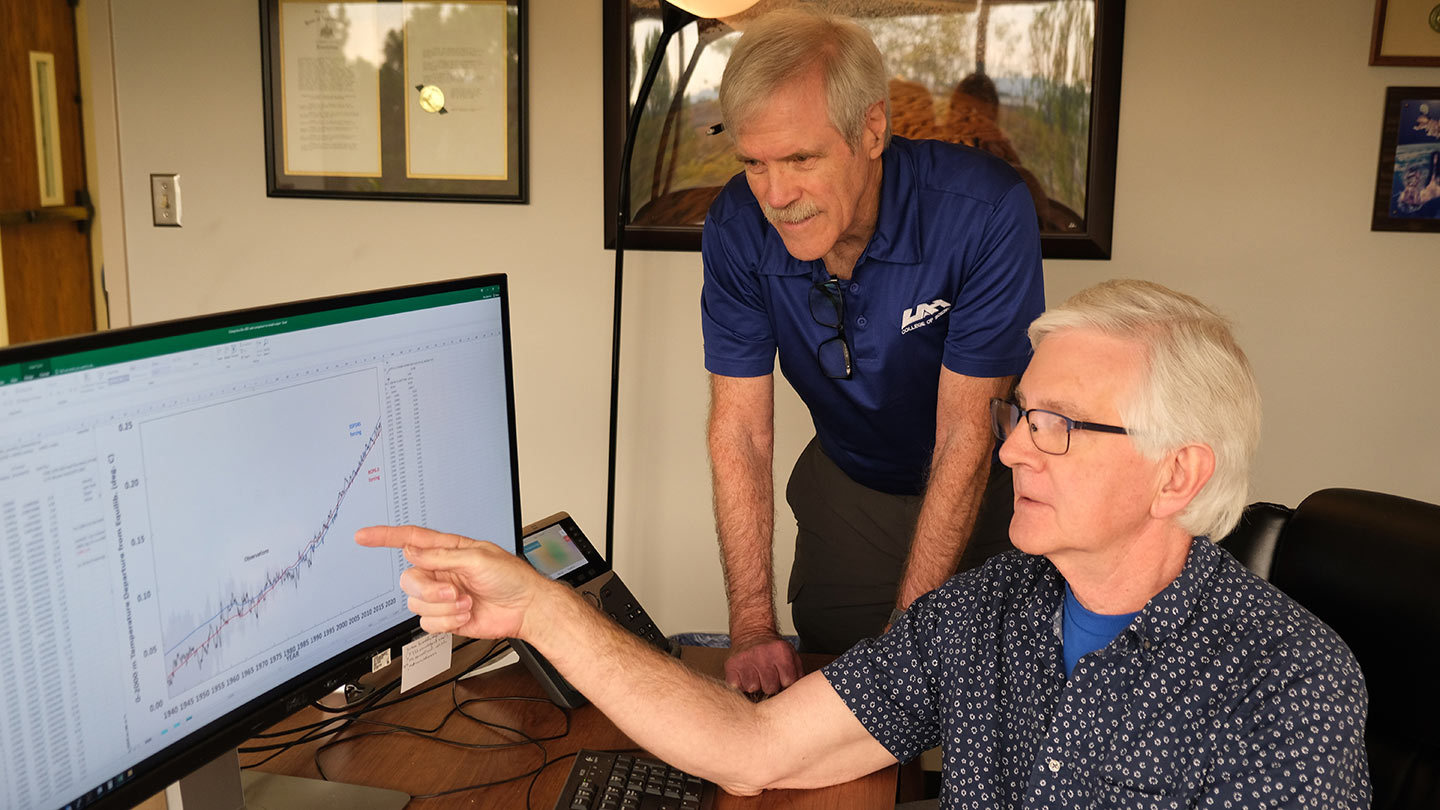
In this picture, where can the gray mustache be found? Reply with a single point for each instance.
(794, 212)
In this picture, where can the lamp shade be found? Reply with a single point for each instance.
(713, 8)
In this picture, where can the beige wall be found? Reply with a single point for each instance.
(1247, 156)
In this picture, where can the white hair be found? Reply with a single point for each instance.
(786, 44)
(1198, 386)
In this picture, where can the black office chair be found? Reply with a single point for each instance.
(1368, 564)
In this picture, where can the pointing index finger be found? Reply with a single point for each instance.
(402, 536)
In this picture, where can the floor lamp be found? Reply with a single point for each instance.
(674, 15)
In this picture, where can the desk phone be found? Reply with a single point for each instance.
(558, 549)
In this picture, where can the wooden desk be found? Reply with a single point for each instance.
(418, 766)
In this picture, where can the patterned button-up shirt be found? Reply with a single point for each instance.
(1222, 693)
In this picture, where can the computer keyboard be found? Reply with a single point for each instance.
(600, 780)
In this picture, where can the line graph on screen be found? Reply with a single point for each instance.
(263, 555)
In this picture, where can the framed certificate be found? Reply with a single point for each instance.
(1406, 32)
(395, 100)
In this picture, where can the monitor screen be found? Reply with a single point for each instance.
(177, 510)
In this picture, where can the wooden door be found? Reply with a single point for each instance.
(44, 253)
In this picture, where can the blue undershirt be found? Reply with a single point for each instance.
(1086, 631)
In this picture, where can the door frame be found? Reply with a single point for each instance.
(4, 319)
(100, 121)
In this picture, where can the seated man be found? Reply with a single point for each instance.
(1117, 658)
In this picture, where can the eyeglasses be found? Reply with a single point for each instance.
(1049, 431)
(827, 307)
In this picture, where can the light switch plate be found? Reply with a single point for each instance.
(165, 199)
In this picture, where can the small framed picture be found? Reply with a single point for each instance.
(1406, 32)
(1407, 184)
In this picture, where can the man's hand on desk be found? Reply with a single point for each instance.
(762, 664)
(460, 585)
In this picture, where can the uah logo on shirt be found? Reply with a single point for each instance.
(922, 314)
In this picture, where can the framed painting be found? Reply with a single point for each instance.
(395, 100)
(1407, 182)
(1035, 82)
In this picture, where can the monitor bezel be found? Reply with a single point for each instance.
(194, 750)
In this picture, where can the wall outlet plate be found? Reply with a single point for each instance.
(165, 199)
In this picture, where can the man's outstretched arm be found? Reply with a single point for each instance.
(804, 737)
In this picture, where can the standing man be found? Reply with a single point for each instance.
(895, 278)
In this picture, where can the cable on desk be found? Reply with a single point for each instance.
(348, 715)
(371, 702)
(428, 734)
(282, 747)
(351, 715)
(432, 733)
(458, 708)
(529, 789)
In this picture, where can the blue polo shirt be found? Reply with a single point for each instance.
(951, 275)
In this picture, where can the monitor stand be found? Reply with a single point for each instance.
(221, 785)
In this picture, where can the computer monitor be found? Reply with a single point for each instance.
(177, 510)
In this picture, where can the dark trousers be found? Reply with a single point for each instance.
(851, 544)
